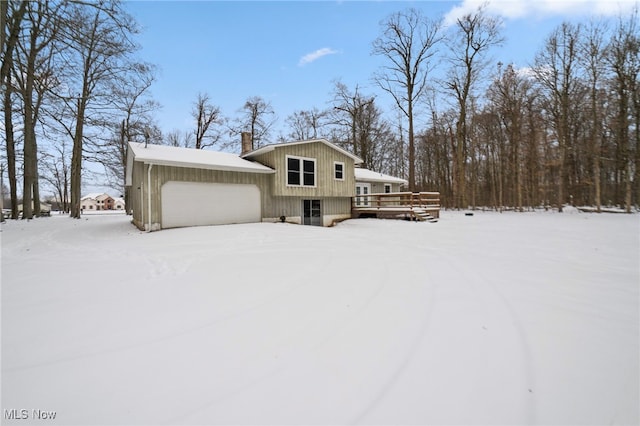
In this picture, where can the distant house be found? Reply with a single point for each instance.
(118, 204)
(45, 208)
(104, 202)
(89, 202)
(97, 201)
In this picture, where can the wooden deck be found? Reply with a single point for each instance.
(421, 206)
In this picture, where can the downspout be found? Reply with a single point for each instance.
(149, 195)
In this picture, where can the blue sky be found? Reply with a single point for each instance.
(290, 52)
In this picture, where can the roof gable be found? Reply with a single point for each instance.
(91, 196)
(271, 147)
(103, 197)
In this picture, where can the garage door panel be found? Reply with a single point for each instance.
(196, 203)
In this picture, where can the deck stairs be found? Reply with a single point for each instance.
(423, 216)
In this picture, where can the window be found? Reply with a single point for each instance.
(293, 171)
(362, 192)
(309, 173)
(301, 171)
(338, 172)
(387, 188)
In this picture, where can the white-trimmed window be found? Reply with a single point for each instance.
(387, 188)
(338, 170)
(301, 171)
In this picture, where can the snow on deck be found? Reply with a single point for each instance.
(529, 318)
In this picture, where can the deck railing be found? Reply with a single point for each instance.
(397, 202)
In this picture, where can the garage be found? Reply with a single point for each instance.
(197, 203)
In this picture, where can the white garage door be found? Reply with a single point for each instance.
(194, 203)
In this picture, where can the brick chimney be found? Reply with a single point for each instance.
(247, 143)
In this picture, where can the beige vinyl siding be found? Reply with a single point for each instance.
(138, 190)
(378, 187)
(326, 184)
(292, 206)
(162, 174)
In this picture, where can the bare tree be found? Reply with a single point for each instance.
(131, 101)
(363, 129)
(472, 37)
(307, 124)
(98, 37)
(257, 117)
(624, 61)
(57, 174)
(206, 116)
(12, 14)
(556, 71)
(592, 56)
(408, 42)
(33, 74)
(510, 94)
(178, 138)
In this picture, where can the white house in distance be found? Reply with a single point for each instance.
(100, 201)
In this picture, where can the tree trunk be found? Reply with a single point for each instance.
(628, 192)
(412, 148)
(31, 193)
(76, 161)
(11, 147)
(460, 160)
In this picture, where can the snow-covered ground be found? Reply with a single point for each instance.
(513, 318)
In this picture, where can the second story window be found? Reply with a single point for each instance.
(338, 172)
(301, 171)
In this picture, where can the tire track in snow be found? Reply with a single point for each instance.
(497, 303)
(288, 360)
(495, 308)
(425, 322)
(165, 337)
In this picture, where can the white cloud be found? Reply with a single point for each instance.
(512, 9)
(313, 56)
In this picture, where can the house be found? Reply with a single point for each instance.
(45, 209)
(118, 204)
(370, 182)
(104, 202)
(308, 182)
(311, 182)
(88, 202)
(97, 201)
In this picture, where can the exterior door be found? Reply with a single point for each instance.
(311, 213)
(362, 192)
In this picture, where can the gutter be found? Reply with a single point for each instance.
(149, 195)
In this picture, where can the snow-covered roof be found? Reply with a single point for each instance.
(367, 175)
(268, 148)
(92, 196)
(190, 157)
